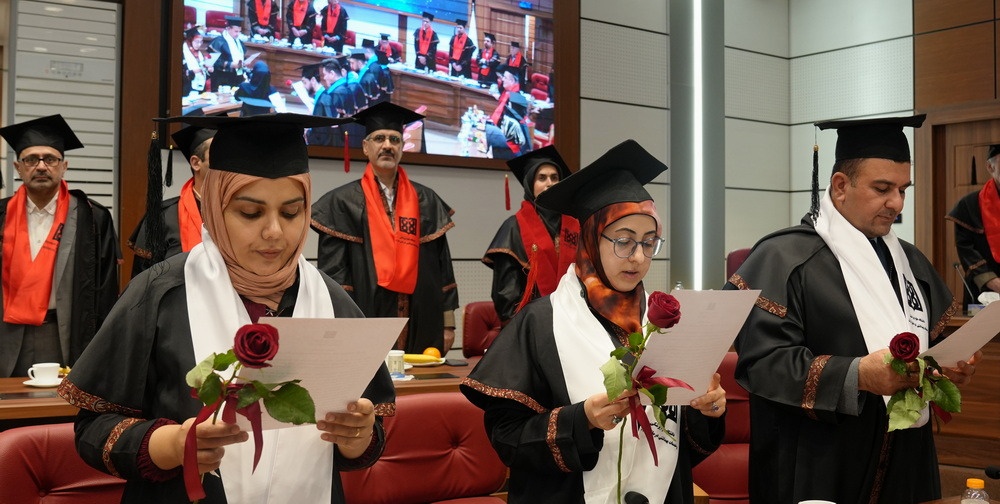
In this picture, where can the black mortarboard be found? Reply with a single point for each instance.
(385, 36)
(873, 138)
(460, 22)
(51, 131)
(615, 177)
(518, 104)
(386, 115)
(427, 15)
(311, 70)
(192, 32)
(367, 43)
(359, 54)
(523, 167)
(490, 36)
(994, 150)
(267, 145)
(190, 137)
(234, 21)
(515, 43)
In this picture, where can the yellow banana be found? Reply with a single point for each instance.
(419, 358)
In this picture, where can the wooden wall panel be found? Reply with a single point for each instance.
(954, 66)
(933, 15)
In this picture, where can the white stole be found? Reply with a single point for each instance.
(872, 295)
(235, 51)
(295, 464)
(193, 62)
(583, 346)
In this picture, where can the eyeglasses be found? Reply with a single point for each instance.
(31, 161)
(625, 247)
(393, 139)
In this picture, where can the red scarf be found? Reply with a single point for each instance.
(189, 217)
(299, 12)
(498, 113)
(989, 208)
(425, 37)
(486, 56)
(514, 60)
(457, 45)
(28, 286)
(395, 245)
(548, 259)
(332, 16)
(263, 14)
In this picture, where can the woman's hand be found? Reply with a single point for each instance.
(351, 431)
(713, 403)
(166, 444)
(605, 414)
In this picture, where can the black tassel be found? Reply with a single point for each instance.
(973, 180)
(153, 220)
(169, 177)
(814, 204)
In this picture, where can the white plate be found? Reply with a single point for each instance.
(36, 383)
(427, 364)
(407, 365)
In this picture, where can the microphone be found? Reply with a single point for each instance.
(993, 472)
(635, 498)
(961, 275)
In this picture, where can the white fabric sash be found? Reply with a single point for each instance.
(295, 465)
(872, 295)
(193, 62)
(235, 50)
(583, 346)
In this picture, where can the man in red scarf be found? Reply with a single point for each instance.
(460, 49)
(518, 63)
(300, 17)
(383, 238)
(333, 20)
(977, 232)
(425, 43)
(60, 254)
(263, 16)
(489, 59)
(179, 228)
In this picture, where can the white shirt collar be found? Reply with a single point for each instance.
(49, 208)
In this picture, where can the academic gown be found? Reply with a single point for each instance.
(522, 367)
(509, 261)
(255, 21)
(172, 237)
(465, 59)
(973, 248)
(345, 253)
(794, 353)
(308, 22)
(86, 290)
(431, 56)
(225, 74)
(339, 28)
(133, 378)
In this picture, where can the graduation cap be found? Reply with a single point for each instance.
(192, 32)
(359, 54)
(266, 145)
(189, 138)
(367, 43)
(525, 167)
(490, 36)
(310, 71)
(385, 36)
(460, 22)
(517, 104)
(386, 115)
(50, 131)
(994, 150)
(515, 43)
(615, 177)
(427, 15)
(234, 21)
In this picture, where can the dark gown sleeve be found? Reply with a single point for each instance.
(109, 257)
(971, 245)
(509, 282)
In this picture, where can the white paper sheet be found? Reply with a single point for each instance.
(334, 358)
(300, 91)
(693, 349)
(969, 338)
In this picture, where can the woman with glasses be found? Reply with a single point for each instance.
(540, 383)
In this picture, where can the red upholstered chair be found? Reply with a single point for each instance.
(39, 464)
(350, 38)
(436, 451)
(216, 20)
(398, 49)
(480, 326)
(724, 475)
(442, 61)
(735, 259)
(539, 94)
(539, 81)
(190, 16)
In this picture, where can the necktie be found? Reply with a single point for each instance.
(884, 257)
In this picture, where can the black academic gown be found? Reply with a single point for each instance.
(308, 23)
(521, 367)
(464, 59)
(973, 248)
(96, 255)
(225, 74)
(132, 377)
(255, 21)
(430, 56)
(345, 253)
(795, 350)
(339, 28)
(143, 251)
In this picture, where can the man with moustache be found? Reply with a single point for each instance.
(60, 254)
(383, 238)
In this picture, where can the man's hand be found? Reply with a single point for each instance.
(877, 377)
(449, 339)
(962, 374)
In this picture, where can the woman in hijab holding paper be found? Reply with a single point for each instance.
(540, 384)
(135, 407)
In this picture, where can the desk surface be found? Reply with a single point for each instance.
(19, 401)
(425, 379)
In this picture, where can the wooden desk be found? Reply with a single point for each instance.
(446, 100)
(44, 407)
(425, 381)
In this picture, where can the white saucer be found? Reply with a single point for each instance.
(36, 383)
(404, 378)
(407, 365)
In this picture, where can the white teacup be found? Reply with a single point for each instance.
(44, 372)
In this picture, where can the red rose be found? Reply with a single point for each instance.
(905, 346)
(255, 344)
(664, 310)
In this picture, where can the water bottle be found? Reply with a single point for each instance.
(974, 492)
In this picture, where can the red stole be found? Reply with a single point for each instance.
(989, 209)
(332, 16)
(514, 61)
(27, 286)
(188, 217)
(299, 12)
(424, 38)
(263, 13)
(548, 259)
(486, 56)
(396, 245)
(457, 45)
(498, 113)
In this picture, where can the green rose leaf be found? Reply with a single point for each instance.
(249, 395)
(619, 352)
(211, 389)
(223, 361)
(657, 394)
(291, 404)
(196, 376)
(904, 411)
(635, 340)
(948, 397)
(616, 381)
(661, 418)
(898, 366)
